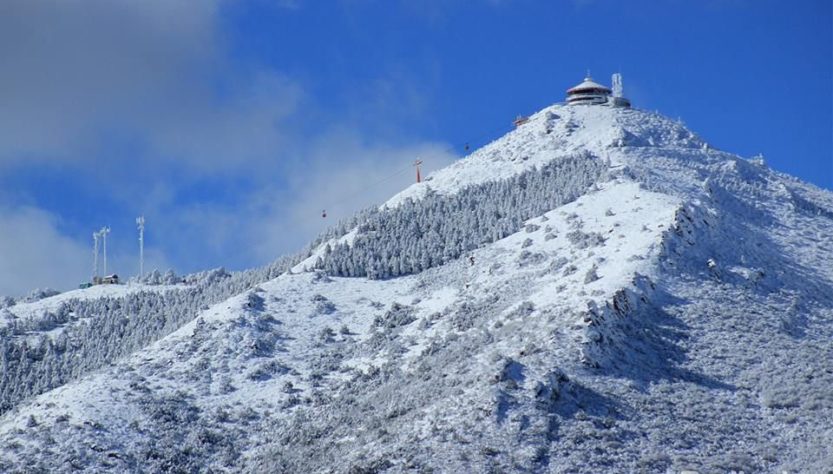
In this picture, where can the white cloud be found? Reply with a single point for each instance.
(342, 174)
(33, 253)
(77, 76)
(236, 131)
(82, 80)
(70, 66)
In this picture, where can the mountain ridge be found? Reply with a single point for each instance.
(650, 321)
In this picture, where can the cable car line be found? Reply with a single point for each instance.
(362, 190)
(466, 146)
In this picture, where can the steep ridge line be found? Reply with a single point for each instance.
(675, 316)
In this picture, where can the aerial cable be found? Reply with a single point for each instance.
(352, 195)
(469, 145)
(466, 146)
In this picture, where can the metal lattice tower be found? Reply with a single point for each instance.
(95, 255)
(140, 222)
(103, 232)
(618, 89)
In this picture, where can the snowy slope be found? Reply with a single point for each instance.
(554, 131)
(23, 312)
(677, 316)
(551, 133)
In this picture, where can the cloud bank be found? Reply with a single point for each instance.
(141, 104)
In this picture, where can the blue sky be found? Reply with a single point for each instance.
(231, 124)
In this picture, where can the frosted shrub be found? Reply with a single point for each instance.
(254, 302)
(323, 305)
(39, 294)
(6, 302)
(327, 335)
(153, 278)
(170, 278)
(208, 277)
(524, 309)
(583, 240)
(264, 345)
(226, 386)
(530, 258)
(780, 397)
(464, 318)
(267, 370)
(320, 277)
(591, 275)
(397, 315)
(557, 264)
(265, 321)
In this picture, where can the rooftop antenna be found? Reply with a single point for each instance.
(140, 222)
(103, 232)
(95, 255)
(417, 163)
(618, 89)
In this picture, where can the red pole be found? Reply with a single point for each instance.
(417, 163)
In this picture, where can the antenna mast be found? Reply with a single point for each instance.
(416, 164)
(104, 231)
(140, 222)
(95, 255)
(618, 89)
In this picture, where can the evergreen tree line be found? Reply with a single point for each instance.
(41, 353)
(420, 234)
(91, 333)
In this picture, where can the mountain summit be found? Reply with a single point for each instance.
(599, 290)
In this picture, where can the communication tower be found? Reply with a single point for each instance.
(140, 223)
(103, 233)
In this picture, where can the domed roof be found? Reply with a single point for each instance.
(588, 85)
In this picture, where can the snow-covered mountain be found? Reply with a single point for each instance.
(597, 291)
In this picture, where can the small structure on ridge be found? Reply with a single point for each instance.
(520, 120)
(593, 93)
(618, 98)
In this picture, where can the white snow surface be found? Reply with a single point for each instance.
(598, 338)
(553, 132)
(28, 310)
